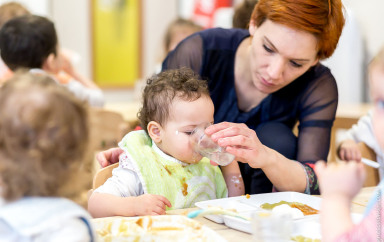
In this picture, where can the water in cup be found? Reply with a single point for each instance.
(206, 147)
(269, 227)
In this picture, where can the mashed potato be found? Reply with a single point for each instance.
(286, 209)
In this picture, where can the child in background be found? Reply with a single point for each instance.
(339, 183)
(158, 167)
(242, 14)
(177, 30)
(30, 42)
(362, 132)
(8, 11)
(43, 137)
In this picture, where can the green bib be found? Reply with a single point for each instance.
(182, 184)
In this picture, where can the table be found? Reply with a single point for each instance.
(358, 206)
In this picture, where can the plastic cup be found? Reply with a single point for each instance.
(269, 227)
(205, 146)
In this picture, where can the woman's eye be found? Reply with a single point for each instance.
(188, 132)
(295, 64)
(267, 49)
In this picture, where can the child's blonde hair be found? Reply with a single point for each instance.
(43, 136)
(378, 59)
(11, 10)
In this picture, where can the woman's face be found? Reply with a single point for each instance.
(377, 95)
(183, 118)
(279, 55)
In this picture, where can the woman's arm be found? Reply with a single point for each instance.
(239, 140)
(233, 179)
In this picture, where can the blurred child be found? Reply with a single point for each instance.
(159, 167)
(177, 30)
(339, 183)
(361, 132)
(43, 137)
(8, 11)
(242, 14)
(31, 42)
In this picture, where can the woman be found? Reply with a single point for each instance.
(265, 80)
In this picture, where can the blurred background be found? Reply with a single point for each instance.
(117, 43)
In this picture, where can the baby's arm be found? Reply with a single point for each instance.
(348, 150)
(339, 183)
(106, 205)
(122, 195)
(233, 179)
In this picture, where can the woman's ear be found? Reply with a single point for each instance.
(154, 131)
(252, 27)
(315, 63)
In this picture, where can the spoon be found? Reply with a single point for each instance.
(206, 211)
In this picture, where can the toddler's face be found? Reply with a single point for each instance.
(184, 117)
(377, 95)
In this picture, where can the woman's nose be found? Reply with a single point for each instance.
(276, 68)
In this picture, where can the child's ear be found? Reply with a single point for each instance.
(50, 64)
(252, 27)
(154, 131)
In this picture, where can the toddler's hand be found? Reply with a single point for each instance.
(109, 157)
(349, 151)
(343, 179)
(150, 204)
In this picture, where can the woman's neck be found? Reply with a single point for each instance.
(248, 96)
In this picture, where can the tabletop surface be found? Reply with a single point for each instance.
(359, 204)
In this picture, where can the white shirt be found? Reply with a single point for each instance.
(363, 132)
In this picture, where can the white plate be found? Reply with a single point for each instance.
(311, 228)
(246, 206)
(153, 228)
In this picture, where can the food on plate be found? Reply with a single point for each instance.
(247, 196)
(300, 238)
(286, 209)
(307, 210)
(153, 228)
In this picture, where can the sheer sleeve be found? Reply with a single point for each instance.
(318, 110)
(189, 53)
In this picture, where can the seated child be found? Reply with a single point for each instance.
(8, 11)
(361, 132)
(158, 167)
(43, 137)
(31, 42)
(339, 183)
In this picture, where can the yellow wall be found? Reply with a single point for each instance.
(116, 38)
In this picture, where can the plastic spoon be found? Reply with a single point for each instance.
(206, 211)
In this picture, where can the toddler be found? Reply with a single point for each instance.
(30, 42)
(339, 183)
(158, 167)
(43, 137)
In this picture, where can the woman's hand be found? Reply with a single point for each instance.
(149, 204)
(109, 157)
(240, 141)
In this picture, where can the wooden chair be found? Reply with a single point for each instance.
(102, 175)
(372, 173)
(107, 128)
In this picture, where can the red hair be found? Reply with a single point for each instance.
(322, 18)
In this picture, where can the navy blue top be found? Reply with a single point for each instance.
(310, 100)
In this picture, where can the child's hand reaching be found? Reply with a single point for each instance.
(342, 180)
(349, 151)
(150, 204)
